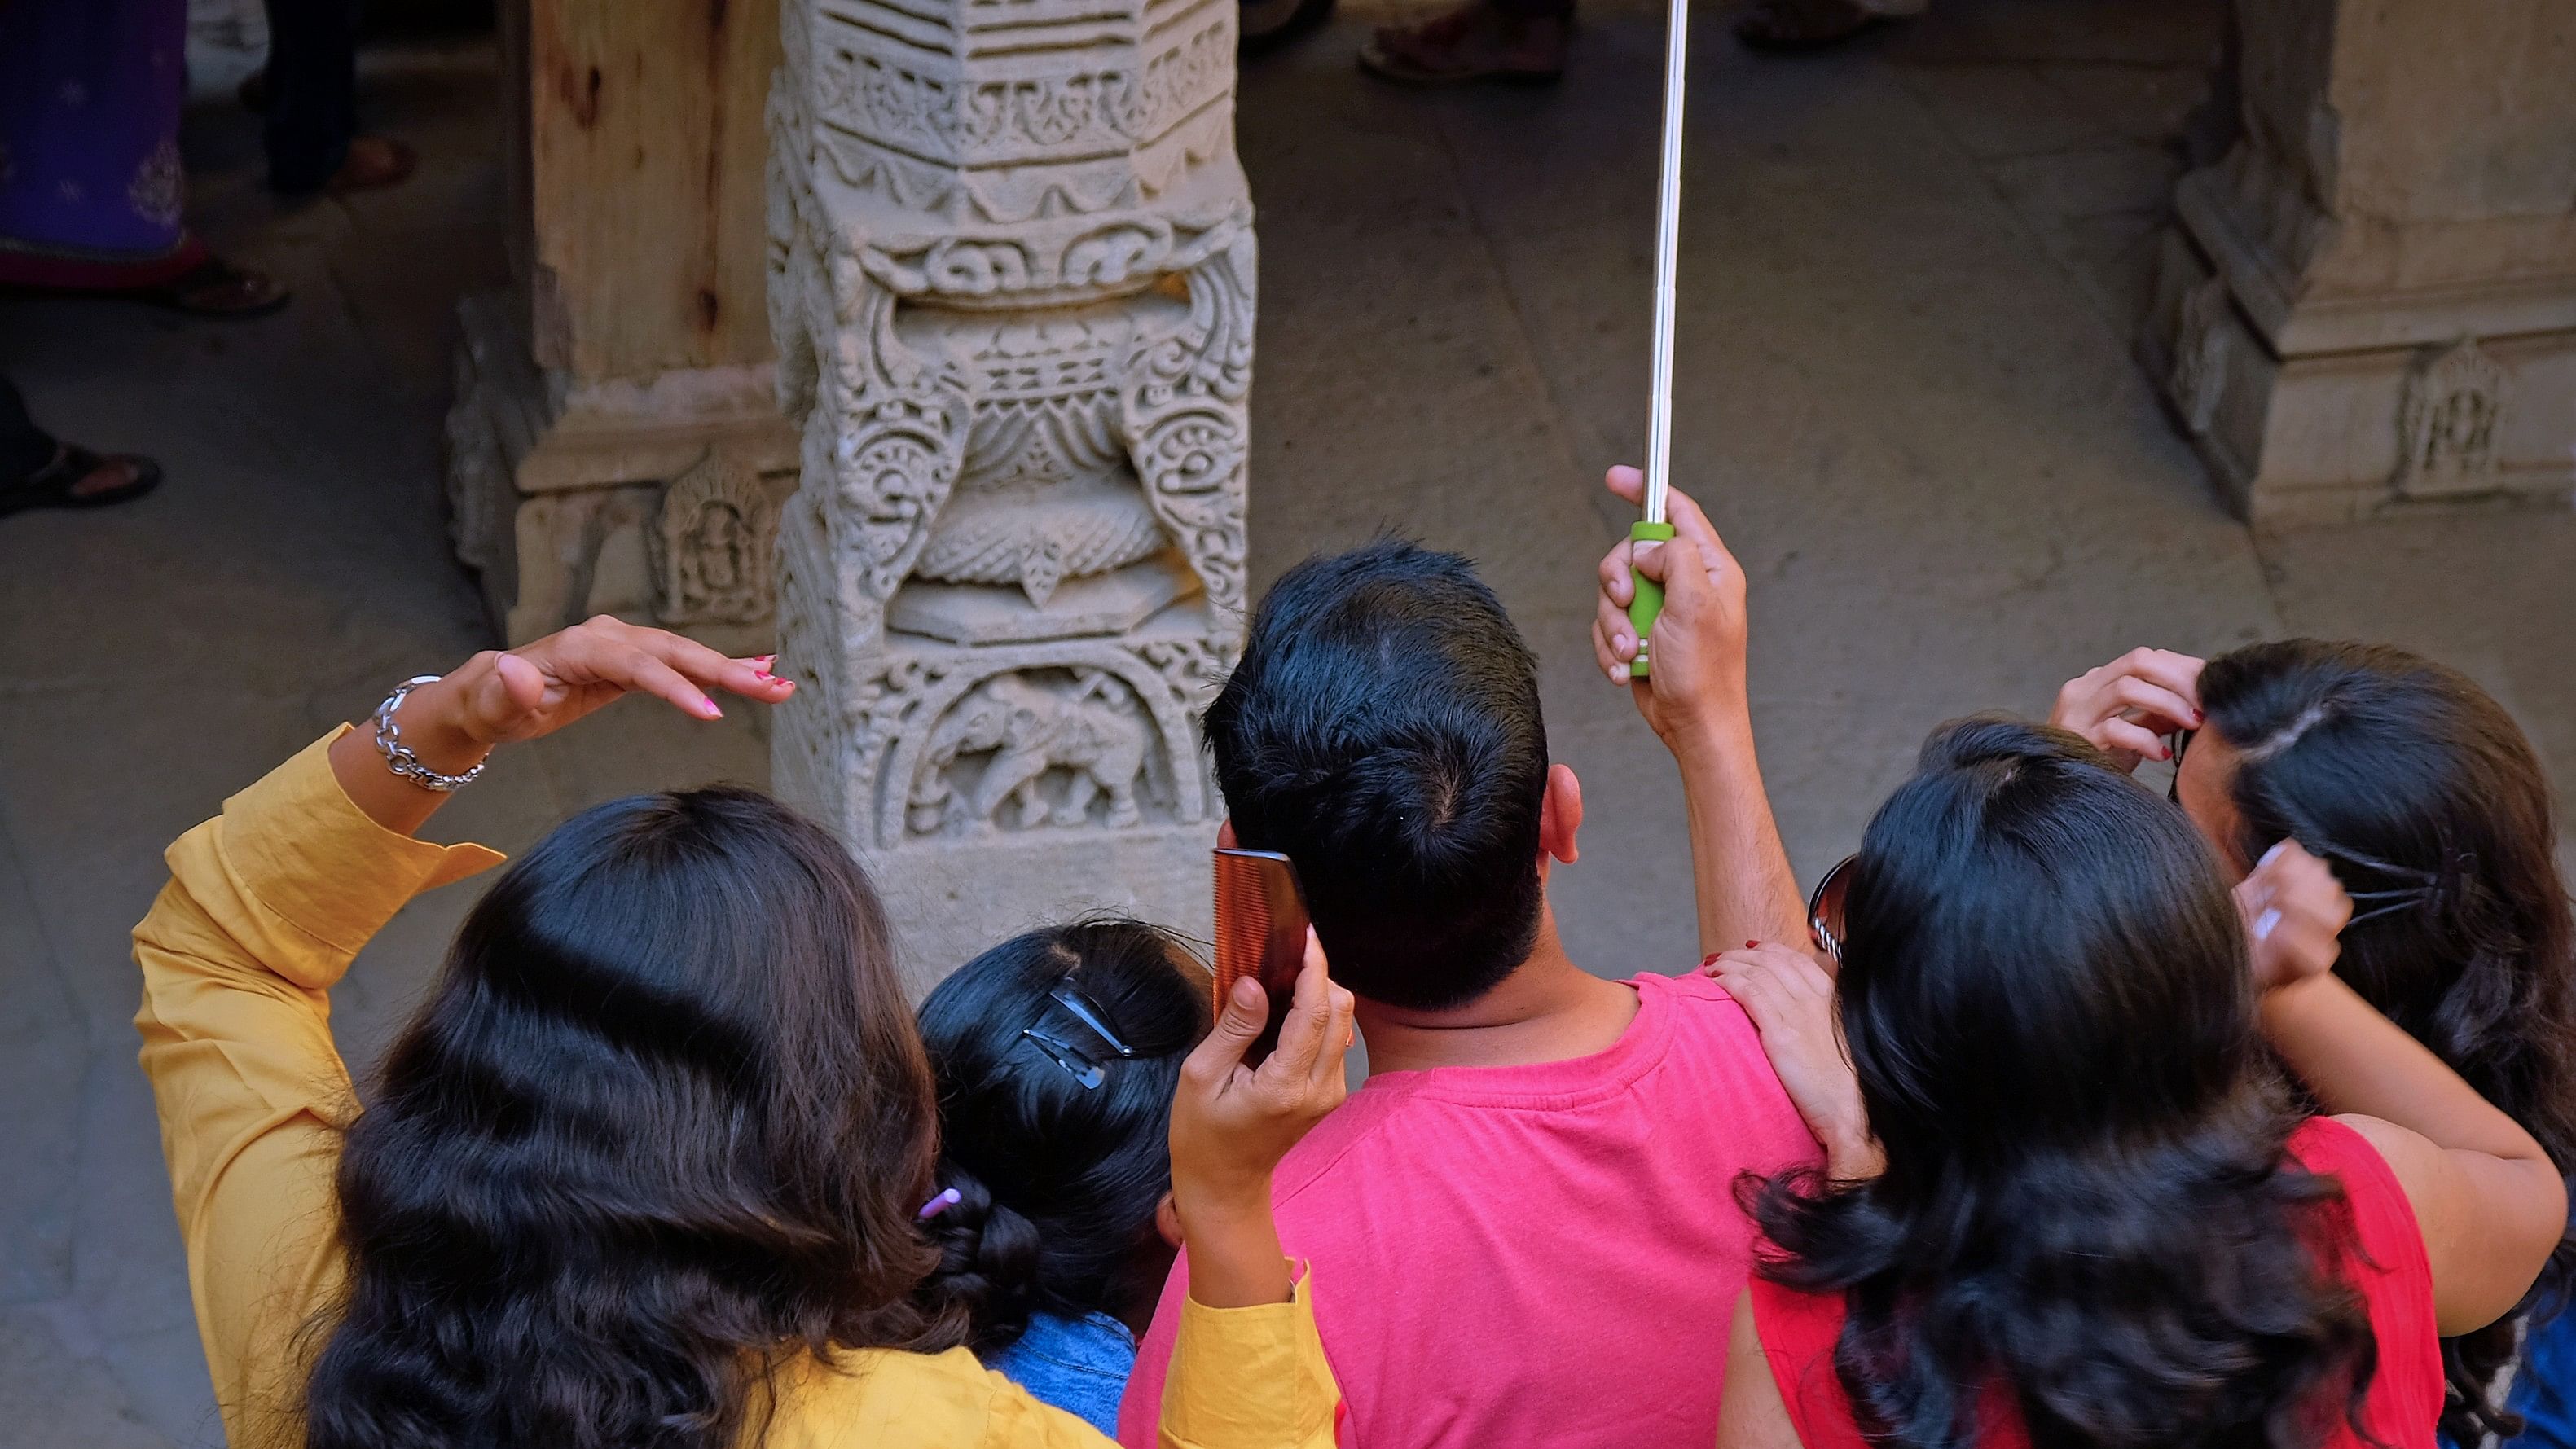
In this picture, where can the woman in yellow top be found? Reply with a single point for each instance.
(646, 1168)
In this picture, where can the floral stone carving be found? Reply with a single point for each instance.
(1012, 284)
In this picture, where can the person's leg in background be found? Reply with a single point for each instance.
(92, 193)
(312, 98)
(36, 471)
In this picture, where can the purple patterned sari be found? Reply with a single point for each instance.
(90, 186)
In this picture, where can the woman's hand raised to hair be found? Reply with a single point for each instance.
(2124, 706)
(1232, 1122)
(1791, 1000)
(2295, 911)
(498, 697)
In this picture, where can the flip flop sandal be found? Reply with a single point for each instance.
(1767, 28)
(51, 486)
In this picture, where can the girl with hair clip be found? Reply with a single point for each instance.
(2070, 1200)
(2430, 806)
(1057, 1054)
(647, 1168)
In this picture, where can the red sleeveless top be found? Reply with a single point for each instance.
(2405, 1399)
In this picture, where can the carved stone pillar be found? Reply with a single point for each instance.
(615, 445)
(2371, 300)
(1011, 280)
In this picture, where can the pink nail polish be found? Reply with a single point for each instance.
(709, 706)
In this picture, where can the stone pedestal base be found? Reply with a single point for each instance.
(951, 900)
(992, 788)
(2369, 304)
(2351, 433)
(654, 501)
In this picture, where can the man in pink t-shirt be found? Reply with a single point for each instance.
(1524, 1228)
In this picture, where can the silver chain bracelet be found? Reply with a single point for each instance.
(398, 756)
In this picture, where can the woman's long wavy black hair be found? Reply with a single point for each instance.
(661, 1126)
(1058, 1182)
(2088, 1203)
(2432, 808)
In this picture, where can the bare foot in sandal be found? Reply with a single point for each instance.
(79, 478)
(217, 288)
(1479, 41)
(1789, 26)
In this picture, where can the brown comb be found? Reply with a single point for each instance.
(1260, 932)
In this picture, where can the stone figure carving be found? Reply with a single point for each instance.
(712, 544)
(1089, 730)
(1011, 280)
(2448, 425)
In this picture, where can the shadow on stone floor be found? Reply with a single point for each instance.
(1906, 395)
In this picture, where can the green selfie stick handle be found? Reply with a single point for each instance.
(1649, 600)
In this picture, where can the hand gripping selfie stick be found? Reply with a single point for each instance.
(1649, 599)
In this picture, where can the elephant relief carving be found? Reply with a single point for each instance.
(1090, 728)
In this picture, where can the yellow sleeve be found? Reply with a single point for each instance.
(1250, 1378)
(266, 905)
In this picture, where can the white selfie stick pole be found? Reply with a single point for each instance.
(1649, 599)
(1668, 245)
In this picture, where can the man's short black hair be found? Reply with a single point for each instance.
(1383, 733)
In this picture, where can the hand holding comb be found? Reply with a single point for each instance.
(1260, 932)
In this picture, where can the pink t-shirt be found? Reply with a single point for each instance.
(1533, 1255)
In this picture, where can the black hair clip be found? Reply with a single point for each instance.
(1084, 1067)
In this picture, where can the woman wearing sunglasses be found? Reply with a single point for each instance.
(2090, 1211)
(1057, 1055)
(646, 1169)
(2432, 809)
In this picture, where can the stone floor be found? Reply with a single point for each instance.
(1906, 396)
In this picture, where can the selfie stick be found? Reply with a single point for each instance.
(1649, 599)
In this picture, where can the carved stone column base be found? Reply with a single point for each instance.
(655, 501)
(991, 788)
(952, 900)
(2337, 435)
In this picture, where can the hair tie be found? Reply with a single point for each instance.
(947, 1198)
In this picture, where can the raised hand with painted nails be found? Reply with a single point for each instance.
(502, 697)
(1232, 1121)
(2124, 706)
(2295, 911)
(1698, 702)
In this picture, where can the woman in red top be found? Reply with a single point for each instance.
(2069, 1201)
